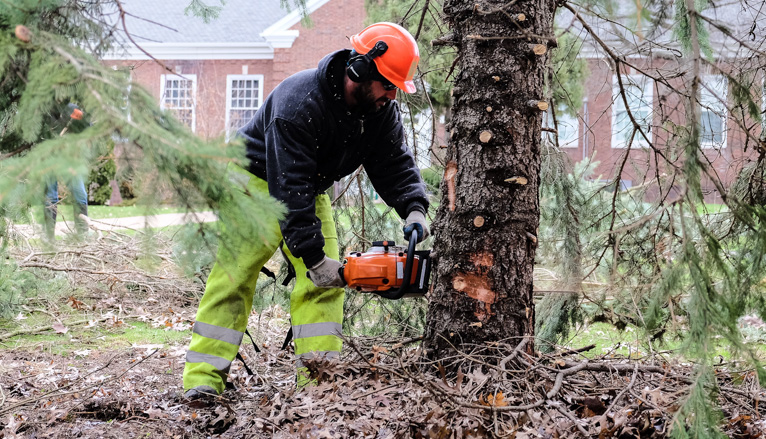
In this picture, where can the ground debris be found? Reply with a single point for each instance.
(370, 393)
(379, 388)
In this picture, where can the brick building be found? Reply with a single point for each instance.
(221, 71)
(602, 129)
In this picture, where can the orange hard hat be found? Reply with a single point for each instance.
(400, 60)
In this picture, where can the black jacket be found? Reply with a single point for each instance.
(303, 138)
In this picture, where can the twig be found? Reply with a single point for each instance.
(76, 269)
(350, 181)
(375, 391)
(550, 394)
(622, 367)
(571, 418)
(515, 352)
(402, 343)
(16, 152)
(123, 13)
(44, 311)
(624, 391)
(577, 351)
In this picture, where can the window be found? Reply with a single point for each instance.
(244, 96)
(713, 103)
(568, 128)
(178, 95)
(638, 93)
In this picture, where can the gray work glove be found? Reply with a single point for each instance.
(416, 220)
(326, 274)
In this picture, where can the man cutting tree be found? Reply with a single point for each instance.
(315, 128)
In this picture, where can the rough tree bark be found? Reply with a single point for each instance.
(486, 226)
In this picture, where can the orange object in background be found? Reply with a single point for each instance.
(76, 114)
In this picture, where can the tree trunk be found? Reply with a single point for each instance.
(486, 225)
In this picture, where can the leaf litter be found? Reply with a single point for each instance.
(378, 389)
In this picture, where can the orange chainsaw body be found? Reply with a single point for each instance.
(382, 269)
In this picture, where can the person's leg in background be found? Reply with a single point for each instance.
(316, 313)
(79, 204)
(50, 209)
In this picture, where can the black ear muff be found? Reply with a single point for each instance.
(360, 67)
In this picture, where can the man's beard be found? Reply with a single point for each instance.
(365, 99)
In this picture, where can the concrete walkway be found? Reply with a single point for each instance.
(128, 223)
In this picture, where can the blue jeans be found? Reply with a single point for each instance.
(80, 206)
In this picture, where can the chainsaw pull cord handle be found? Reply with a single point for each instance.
(340, 272)
(398, 294)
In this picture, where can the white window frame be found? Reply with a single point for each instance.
(619, 140)
(715, 102)
(184, 77)
(563, 119)
(229, 79)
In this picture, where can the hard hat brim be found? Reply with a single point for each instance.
(406, 86)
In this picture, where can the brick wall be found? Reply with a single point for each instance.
(211, 85)
(332, 24)
(595, 132)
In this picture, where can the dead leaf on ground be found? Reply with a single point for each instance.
(496, 400)
(60, 328)
(76, 304)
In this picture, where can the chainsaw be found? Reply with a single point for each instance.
(388, 270)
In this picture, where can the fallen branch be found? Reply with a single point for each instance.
(80, 270)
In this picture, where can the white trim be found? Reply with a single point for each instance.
(563, 120)
(193, 51)
(647, 98)
(281, 40)
(229, 79)
(193, 79)
(279, 35)
(715, 100)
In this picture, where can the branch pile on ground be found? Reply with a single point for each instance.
(378, 390)
(115, 260)
(497, 391)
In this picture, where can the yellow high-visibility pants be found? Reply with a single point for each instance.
(316, 313)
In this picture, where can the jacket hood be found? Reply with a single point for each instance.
(331, 71)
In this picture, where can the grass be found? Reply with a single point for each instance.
(80, 338)
(709, 209)
(630, 343)
(608, 340)
(55, 301)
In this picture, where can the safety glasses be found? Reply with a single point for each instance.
(387, 85)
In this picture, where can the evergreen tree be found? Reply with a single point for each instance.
(668, 264)
(49, 57)
(486, 226)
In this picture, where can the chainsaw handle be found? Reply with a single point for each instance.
(398, 294)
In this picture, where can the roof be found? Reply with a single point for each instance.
(244, 29)
(627, 33)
